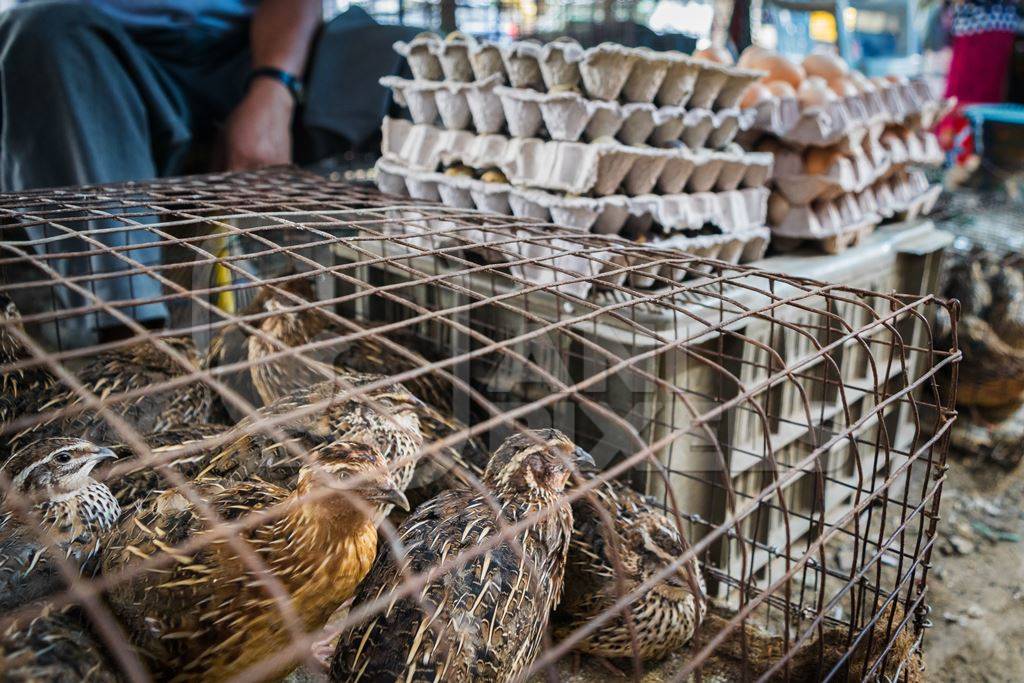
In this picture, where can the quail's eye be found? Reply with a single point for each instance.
(63, 458)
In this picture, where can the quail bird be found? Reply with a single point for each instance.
(644, 541)
(483, 619)
(207, 616)
(69, 507)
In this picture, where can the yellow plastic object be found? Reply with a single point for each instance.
(221, 274)
(823, 27)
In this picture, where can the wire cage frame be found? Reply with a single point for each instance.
(793, 432)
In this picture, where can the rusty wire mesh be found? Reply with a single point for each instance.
(794, 431)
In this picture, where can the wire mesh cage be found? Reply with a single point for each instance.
(753, 462)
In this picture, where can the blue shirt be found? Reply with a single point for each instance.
(214, 16)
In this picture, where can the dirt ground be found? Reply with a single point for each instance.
(977, 585)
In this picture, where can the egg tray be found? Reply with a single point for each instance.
(835, 224)
(731, 211)
(849, 173)
(848, 120)
(905, 195)
(908, 146)
(606, 72)
(425, 229)
(599, 169)
(839, 222)
(490, 108)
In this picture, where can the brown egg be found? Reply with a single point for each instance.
(843, 86)
(755, 94)
(494, 176)
(750, 56)
(715, 54)
(819, 160)
(781, 89)
(814, 92)
(779, 69)
(459, 170)
(829, 67)
(778, 209)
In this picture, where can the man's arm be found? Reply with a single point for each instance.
(259, 129)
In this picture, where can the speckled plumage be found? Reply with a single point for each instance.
(54, 647)
(262, 383)
(646, 541)
(271, 378)
(483, 619)
(137, 366)
(393, 429)
(53, 477)
(135, 482)
(1006, 314)
(21, 388)
(448, 468)
(207, 616)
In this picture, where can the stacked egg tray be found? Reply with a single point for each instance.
(610, 139)
(570, 266)
(849, 120)
(872, 177)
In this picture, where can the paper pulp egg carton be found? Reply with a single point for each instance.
(564, 116)
(577, 168)
(550, 261)
(606, 72)
(570, 116)
(905, 195)
(536, 259)
(649, 268)
(455, 104)
(739, 214)
(850, 172)
(730, 211)
(847, 120)
(909, 146)
(835, 224)
(843, 121)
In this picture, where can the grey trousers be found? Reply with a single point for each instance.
(84, 101)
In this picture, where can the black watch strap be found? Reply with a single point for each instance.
(290, 81)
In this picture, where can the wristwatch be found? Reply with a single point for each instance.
(290, 81)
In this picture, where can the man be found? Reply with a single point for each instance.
(109, 90)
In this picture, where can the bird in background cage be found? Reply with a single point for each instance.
(136, 367)
(483, 617)
(268, 326)
(1007, 312)
(620, 540)
(53, 647)
(20, 388)
(273, 378)
(991, 296)
(185, 449)
(206, 614)
(66, 507)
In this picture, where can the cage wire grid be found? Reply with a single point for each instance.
(780, 418)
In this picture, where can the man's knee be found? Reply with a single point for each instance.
(35, 30)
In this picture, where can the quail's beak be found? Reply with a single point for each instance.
(391, 496)
(103, 454)
(583, 459)
(95, 458)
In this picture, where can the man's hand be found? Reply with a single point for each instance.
(259, 129)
